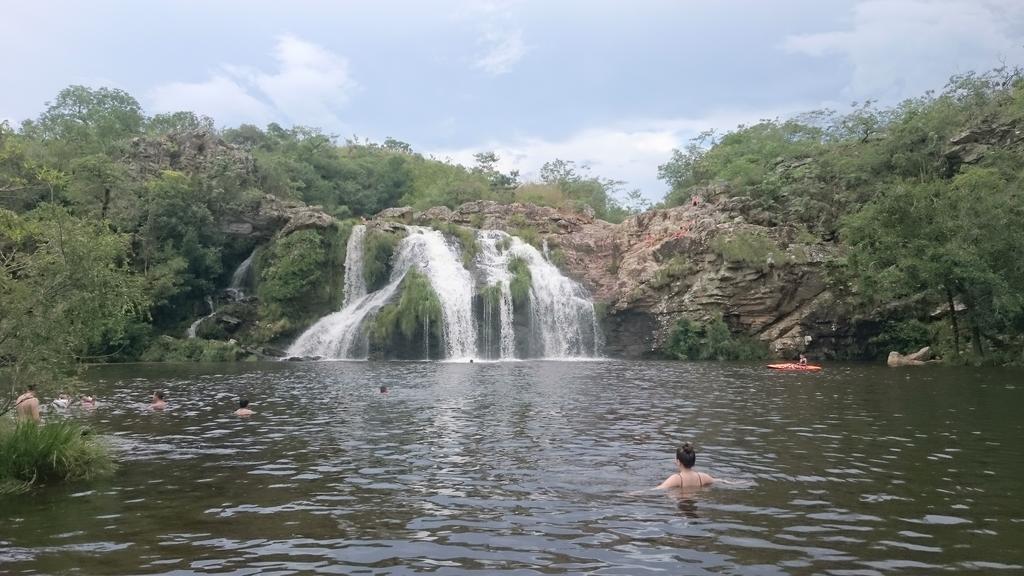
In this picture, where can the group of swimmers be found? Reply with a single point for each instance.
(159, 402)
(686, 456)
(27, 405)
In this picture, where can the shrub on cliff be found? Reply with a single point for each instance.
(712, 341)
(415, 317)
(378, 250)
(521, 281)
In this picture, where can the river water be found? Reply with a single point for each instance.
(531, 467)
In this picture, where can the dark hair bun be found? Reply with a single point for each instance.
(686, 447)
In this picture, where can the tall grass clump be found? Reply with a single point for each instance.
(35, 454)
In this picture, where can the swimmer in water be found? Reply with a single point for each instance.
(87, 402)
(243, 408)
(383, 389)
(158, 401)
(61, 401)
(27, 405)
(687, 477)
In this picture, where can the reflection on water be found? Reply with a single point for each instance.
(533, 467)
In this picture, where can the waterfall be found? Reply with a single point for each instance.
(492, 264)
(442, 265)
(238, 279)
(355, 281)
(562, 314)
(191, 332)
(562, 317)
(343, 333)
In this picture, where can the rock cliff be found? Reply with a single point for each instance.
(696, 262)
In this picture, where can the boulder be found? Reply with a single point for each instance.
(276, 216)
(919, 358)
(404, 214)
(435, 214)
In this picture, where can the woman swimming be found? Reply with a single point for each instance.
(686, 477)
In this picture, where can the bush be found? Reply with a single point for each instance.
(465, 236)
(745, 247)
(491, 296)
(418, 306)
(528, 234)
(521, 281)
(713, 341)
(558, 258)
(677, 267)
(378, 248)
(900, 336)
(33, 454)
(168, 349)
(291, 273)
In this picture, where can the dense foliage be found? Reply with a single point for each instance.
(925, 197)
(712, 341)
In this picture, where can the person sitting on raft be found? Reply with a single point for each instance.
(803, 360)
(686, 477)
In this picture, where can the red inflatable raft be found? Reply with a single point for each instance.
(795, 367)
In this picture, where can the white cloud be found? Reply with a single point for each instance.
(219, 97)
(499, 37)
(901, 48)
(505, 49)
(308, 87)
(629, 152)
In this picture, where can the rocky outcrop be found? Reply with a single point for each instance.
(971, 145)
(275, 216)
(197, 151)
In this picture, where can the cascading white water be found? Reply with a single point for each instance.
(561, 311)
(492, 263)
(442, 265)
(191, 332)
(238, 279)
(355, 281)
(343, 335)
(562, 318)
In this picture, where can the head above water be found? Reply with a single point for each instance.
(243, 402)
(686, 455)
(159, 394)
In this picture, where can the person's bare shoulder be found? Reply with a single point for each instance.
(670, 482)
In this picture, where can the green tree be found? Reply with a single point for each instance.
(84, 120)
(182, 121)
(67, 294)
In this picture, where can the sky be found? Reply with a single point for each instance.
(614, 85)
